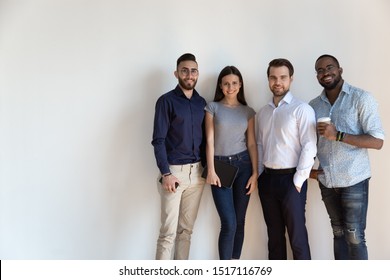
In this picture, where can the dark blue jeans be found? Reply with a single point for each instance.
(284, 207)
(347, 209)
(231, 205)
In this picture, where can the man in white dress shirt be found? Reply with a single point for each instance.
(286, 139)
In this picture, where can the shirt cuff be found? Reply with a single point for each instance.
(165, 171)
(299, 180)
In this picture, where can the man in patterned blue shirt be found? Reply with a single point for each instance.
(342, 151)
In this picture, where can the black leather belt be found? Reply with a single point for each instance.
(279, 171)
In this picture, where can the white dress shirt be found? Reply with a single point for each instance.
(286, 137)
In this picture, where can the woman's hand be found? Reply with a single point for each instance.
(252, 184)
(213, 179)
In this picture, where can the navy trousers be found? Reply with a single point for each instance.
(284, 208)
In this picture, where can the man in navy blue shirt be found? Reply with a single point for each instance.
(178, 142)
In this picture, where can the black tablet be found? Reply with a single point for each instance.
(225, 171)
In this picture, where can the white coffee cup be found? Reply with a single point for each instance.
(324, 120)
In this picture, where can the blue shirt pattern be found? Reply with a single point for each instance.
(355, 112)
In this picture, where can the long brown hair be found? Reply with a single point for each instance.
(218, 91)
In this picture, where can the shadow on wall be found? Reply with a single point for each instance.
(131, 185)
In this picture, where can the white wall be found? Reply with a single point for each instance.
(78, 84)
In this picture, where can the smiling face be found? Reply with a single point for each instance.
(328, 73)
(230, 85)
(279, 81)
(187, 74)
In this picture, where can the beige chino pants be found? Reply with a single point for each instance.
(179, 211)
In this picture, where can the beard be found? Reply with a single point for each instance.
(333, 85)
(279, 92)
(187, 85)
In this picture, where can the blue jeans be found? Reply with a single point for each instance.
(231, 206)
(347, 209)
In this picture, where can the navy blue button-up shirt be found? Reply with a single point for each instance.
(178, 134)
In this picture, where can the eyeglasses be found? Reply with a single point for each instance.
(328, 68)
(186, 71)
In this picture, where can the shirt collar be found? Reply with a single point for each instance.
(286, 99)
(346, 88)
(179, 92)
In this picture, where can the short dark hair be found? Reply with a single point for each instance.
(218, 91)
(329, 56)
(279, 62)
(186, 57)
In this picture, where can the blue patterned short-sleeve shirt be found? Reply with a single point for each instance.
(354, 112)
